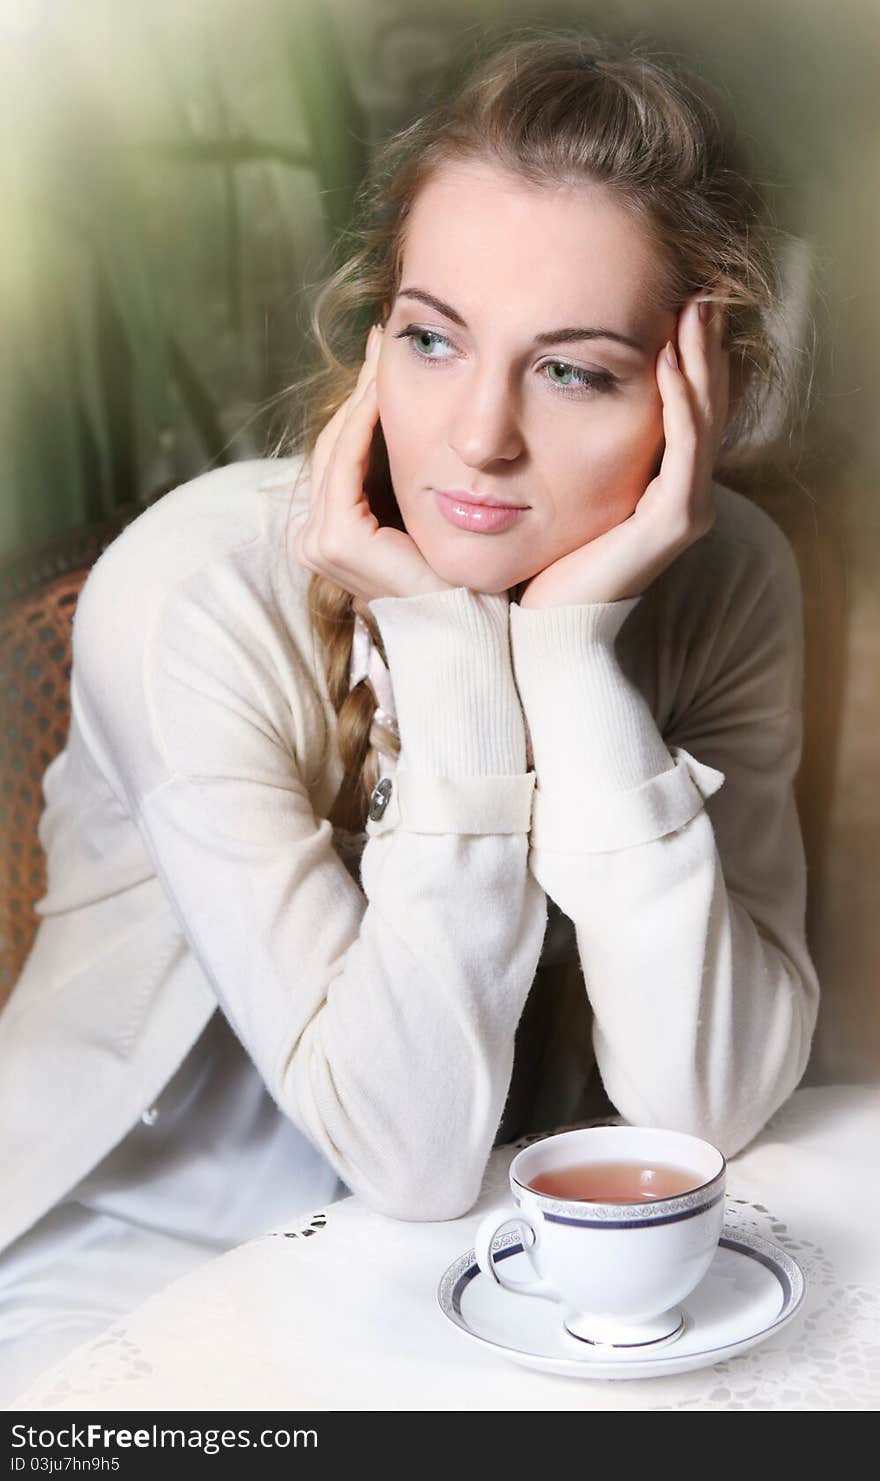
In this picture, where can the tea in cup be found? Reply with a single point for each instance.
(620, 1222)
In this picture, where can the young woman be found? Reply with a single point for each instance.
(433, 783)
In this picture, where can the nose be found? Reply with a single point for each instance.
(485, 421)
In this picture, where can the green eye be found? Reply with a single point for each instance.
(414, 335)
(584, 377)
(583, 383)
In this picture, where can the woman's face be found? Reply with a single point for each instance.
(496, 395)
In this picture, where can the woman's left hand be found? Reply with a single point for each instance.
(677, 507)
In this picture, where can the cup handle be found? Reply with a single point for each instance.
(492, 1225)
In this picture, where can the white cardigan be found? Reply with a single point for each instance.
(191, 863)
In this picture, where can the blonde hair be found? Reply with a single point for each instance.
(550, 106)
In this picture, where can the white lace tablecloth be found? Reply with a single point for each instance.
(338, 1311)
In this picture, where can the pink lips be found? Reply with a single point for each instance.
(487, 519)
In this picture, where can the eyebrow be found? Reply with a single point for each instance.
(566, 335)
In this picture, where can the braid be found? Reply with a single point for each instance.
(359, 735)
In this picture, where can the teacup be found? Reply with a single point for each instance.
(617, 1269)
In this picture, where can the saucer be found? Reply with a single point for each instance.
(751, 1291)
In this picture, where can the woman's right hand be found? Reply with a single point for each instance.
(341, 537)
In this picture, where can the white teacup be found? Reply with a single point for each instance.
(617, 1270)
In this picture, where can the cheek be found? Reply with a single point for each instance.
(609, 442)
(600, 474)
(621, 442)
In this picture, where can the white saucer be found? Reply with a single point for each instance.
(752, 1290)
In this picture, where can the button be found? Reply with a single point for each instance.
(151, 1116)
(380, 798)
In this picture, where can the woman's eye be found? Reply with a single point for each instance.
(581, 383)
(589, 380)
(413, 334)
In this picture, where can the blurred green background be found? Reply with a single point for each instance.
(175, 178)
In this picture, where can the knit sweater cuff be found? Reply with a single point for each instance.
(449, 659)
(590, 727)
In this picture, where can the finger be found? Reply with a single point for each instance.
(366, 378)
(368, 367)
(329, 433)
(364, 375)
(688, 459)
(324, 460)
(695, 344)
(338, 417)
(351, 453)
(679, 469)
(718, 359)
(329, 436)
(703, 357)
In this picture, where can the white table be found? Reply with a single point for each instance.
(343, 1314)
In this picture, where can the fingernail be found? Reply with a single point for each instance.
(705, 311)
(670, 354)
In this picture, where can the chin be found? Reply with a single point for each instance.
(478, 573)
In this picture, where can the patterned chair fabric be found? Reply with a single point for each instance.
(38, 597)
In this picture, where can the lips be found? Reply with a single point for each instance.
(463, 497)
(481, 518)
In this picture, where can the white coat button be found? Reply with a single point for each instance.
(151, 1116)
